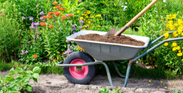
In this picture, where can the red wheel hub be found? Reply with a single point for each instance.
(78, 72)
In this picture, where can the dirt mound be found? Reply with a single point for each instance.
(112, 39)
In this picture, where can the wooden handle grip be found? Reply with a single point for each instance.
(135, 18)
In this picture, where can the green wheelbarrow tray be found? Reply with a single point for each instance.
(105, 51)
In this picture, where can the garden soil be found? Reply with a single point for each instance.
(54, 83)
(112, 39)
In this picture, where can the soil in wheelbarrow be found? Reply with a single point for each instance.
(112, 39)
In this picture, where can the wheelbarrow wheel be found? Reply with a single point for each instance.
(79, 75)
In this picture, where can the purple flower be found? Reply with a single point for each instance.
(37, 32)
(23, 52)
(23, 18)
(74, 28)
(81, 22)
(37, 6)
(41, 18)
(73, 25)
(26, 52)
(74, 32)
(31, 18)
(41, 13)
(36, 23)
(68, 45)
(34, 37)
(67, 40)
(68, 51)
(67, 15)
(32, 26)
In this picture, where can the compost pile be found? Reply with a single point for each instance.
(112, 39)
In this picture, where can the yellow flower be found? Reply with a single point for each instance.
(167, 25)
(101, 18)
(179, 51)
(179, 31)
(165, 87)
(182, 60)
(87, 17)
(180, 21)
(99, 15)
(166, 44)
(175, 24)
(149, 80)
(89, 22)
(172, 27)
(81, 18)
(174, 49)
(98, 26)
(77, 11)
(179, 54)
(181, 34)
(174, 16)
(174, 44)
(182, 47)
(169, 16)
(174, 33)
(161, 81)
(88, 12)
(82, 14)
(170, 22)
(92, 16)
(54, 7)
(166, 35)
(178, 47)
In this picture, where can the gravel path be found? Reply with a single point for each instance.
(53, 83)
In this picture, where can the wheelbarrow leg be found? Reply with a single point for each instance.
(127, 75)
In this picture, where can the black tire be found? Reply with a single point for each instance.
(87, 58)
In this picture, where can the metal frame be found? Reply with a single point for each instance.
(131, 62)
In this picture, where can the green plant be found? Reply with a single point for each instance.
(106, 90)
(17, 80)
(9, 40)
(176, 91)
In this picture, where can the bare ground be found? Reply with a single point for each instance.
(53, 83)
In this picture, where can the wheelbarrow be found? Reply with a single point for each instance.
(78, 67)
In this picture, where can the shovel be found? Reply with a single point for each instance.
(114, 32)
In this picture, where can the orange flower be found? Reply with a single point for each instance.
(58, 7)
(48, 19)
(54, 3)
(34, 56)
(45, 17)
(50, 13)
(50, 16)
(62, 8)
(51, 26)
(70, 15)
(42, 24)
(57, 13)
(63, 17)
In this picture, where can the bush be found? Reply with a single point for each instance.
(9, 38)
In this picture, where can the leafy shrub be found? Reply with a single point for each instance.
(9, 40)
(106, 90)
(17, 80)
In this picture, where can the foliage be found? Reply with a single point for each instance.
(106, 90)
(176, 91)
(9, 40)
(17, 80)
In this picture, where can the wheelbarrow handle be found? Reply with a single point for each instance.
(135, 18)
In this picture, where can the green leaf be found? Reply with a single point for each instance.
(12, 71)
(37, 70)
(35, 79)
(36, 75)
(28, 88)
(176, 91)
